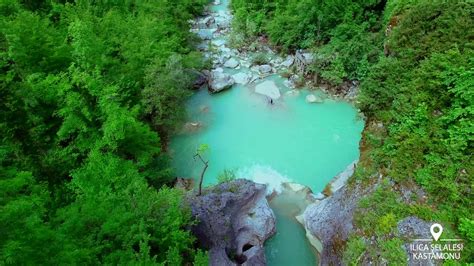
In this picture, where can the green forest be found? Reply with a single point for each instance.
(91, 92)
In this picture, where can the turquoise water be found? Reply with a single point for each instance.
(289, 245)
(223, 6)
(291, 140)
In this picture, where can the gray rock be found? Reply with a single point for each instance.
(289, 83)
(234, 220)
(253, 78)
(311, 98)
(319, 196)
(225, 50)
(208, 21)
(222, 58)
(223, 20)
(294, 77)
(231, 63)
(255, 69)
(241, 78)
(288, 62)
(223, 24)
(294, 81)
(411, 193)
(265, 69)
(199, 79)
(269, 89)
(245, 64)
(341, 179)
(330, 221)
(412, 228)
(352, 92)
(220, 81)
(218, 42)
(206, 72)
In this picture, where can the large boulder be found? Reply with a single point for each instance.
(341, 179)
(265, 69)
(269, 89)
(241, 78)
(233, 222)
(220, 81)
(328, 222)
(199, 78)
(208, 21)
(231, 63)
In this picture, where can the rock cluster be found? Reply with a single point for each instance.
(220, 81)
(269, 89)
(233, 222)
(213, 30)
(329, 222)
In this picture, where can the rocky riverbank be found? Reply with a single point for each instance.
(329, 222)
(253, 65)
(233, 222)
(327, 217)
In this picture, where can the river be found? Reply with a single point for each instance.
(289, 140)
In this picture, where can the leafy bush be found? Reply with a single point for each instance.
(466, 227)
(354, 251)
(201, 258)
(260, 59)
(90, 92)
(226, 176)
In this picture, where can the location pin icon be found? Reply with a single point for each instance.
(438, 228)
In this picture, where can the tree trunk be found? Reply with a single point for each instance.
(206, 164)
(202, 177)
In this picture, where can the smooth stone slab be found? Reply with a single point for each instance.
(268, 88)
(241, 78)
(265, 69)
(231, 63)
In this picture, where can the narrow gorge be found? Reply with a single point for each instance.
(260, 127)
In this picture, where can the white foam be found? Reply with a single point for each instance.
(264, 174)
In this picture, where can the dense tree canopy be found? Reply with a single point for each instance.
(87, 89)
